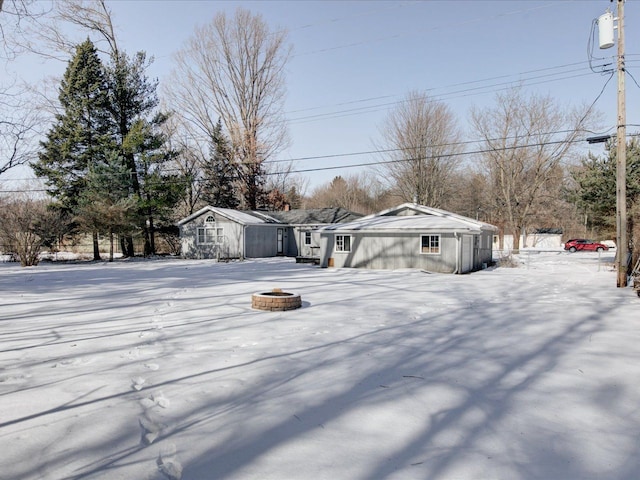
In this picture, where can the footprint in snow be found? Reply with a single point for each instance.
(161, 400)
(152, 366)
(137, 383)
(15, 378)
(150, 431)
(131, 354)
(169, 465)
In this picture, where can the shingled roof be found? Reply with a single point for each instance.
(315, 216)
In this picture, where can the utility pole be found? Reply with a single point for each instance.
(621, 160)
(607, 40)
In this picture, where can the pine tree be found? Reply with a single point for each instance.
(220, 179)
(81, 134)
(133, 108)
(158, 191)
(106, 205)
(595, 190)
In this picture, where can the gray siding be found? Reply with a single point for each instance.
(230, 247)
(298, 247)
(391, 251)
(262, 240)
(484, 254)
(464, 253)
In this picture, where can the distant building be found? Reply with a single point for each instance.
(541, 238)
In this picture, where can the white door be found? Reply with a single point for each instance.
(280, 241)
(467, 253)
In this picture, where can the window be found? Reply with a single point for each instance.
(307, 238)
(430, 244)
(210, 219)
(207, 235)
(343, 243)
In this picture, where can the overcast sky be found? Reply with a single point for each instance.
(354, 60)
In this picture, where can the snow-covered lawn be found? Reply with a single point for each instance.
(160, 369)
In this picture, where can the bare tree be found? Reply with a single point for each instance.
(472, 196)
(361, 193)
(188, 162)
(525, 140)
(421, 141)
(233, 70)
(18, 130)
(19, 118)
(16, 16)
(48, 35)
(19, 228)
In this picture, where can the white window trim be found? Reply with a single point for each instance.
(343, 250)
(307, 238)
(217, 234)
(439, 243)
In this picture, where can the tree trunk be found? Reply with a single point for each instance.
(147, 241)
(152, 238)
(516, 240)
(127, 246)
(111, 246)
(96, 247)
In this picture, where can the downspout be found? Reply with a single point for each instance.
(458, 252)
(244, 242)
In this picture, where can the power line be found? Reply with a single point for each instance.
(384, 162)
(360, 153)
(448, 26)
(461, 93)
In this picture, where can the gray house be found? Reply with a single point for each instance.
(303, 231)
(213, 232)
(409, 236)
(224, 233)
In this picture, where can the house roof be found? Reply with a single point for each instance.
(548, 231)
(315, 216)
(241, 217)
(411, 216)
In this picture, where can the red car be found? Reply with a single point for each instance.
(581, 244)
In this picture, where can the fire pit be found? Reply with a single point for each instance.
(275, 301)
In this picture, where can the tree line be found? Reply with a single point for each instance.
(118, 161)
(115, 163)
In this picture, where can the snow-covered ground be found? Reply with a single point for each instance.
(160, 369)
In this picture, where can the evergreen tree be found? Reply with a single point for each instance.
(81, 134)
(133, 104)
(595, 190)
(158, 191)
(219, 172)
(106, 205)
(294, 198)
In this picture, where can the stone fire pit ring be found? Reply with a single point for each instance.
(275, 301)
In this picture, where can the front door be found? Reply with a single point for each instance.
(280, 241)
